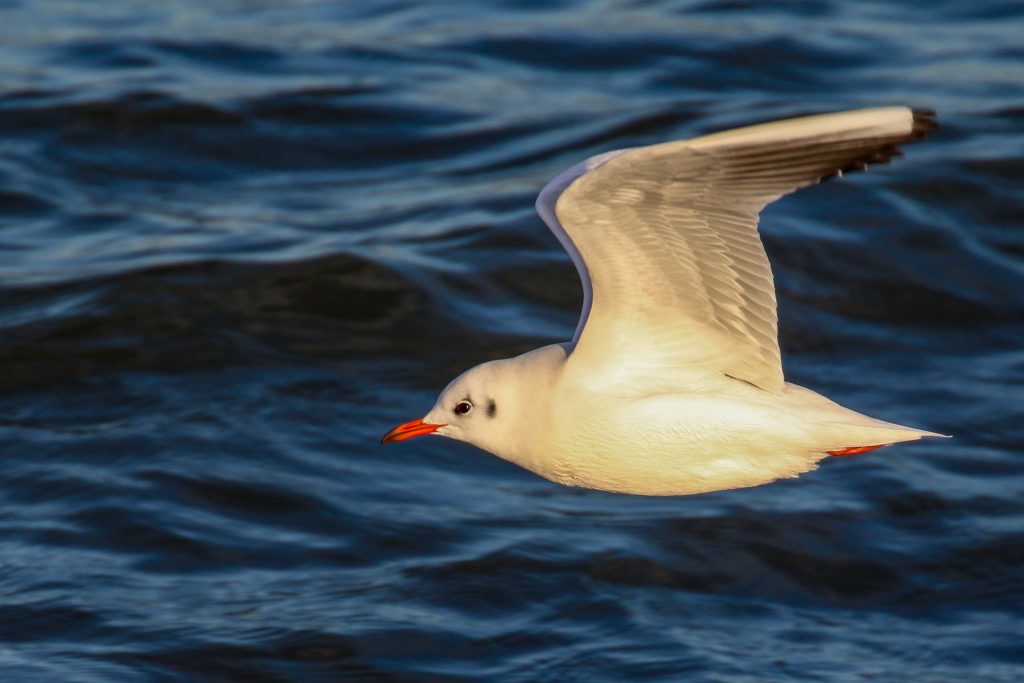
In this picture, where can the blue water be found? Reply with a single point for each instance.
(240, 240)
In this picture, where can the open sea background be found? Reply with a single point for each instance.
(239, 240)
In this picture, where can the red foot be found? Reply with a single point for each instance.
(855, 450)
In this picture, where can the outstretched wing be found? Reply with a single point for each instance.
(676, 281)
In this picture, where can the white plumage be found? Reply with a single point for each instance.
(673, 382)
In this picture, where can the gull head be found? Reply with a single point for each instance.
(471, 408)
(497, 406)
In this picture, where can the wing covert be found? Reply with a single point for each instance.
(676, 280)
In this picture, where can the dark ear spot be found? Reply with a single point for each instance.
(492, 408)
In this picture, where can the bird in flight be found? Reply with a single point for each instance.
(673, 383)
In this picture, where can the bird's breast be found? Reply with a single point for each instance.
(669, 444)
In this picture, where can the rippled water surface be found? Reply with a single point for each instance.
(239, 240)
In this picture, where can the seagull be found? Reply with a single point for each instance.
(672, 383)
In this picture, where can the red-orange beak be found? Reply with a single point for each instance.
(409, 430)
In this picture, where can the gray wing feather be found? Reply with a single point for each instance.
(676, 280)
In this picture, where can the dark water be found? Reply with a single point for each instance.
(242, 239)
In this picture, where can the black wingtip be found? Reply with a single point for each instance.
(925, 121)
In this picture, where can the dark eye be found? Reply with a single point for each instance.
(463, 407)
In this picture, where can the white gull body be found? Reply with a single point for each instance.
(673, 382)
